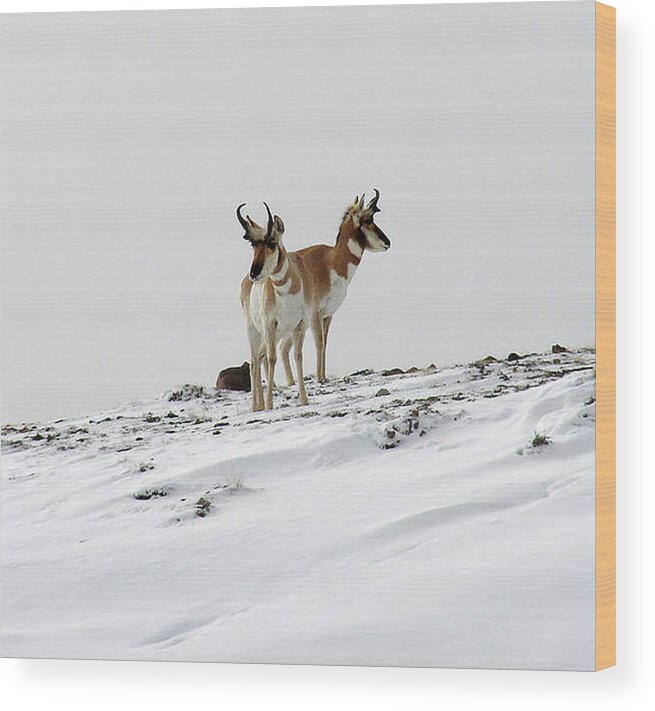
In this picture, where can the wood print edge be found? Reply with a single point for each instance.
(605, 336)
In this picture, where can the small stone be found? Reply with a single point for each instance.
(513, 356)
(381, 392)
(393, 371)
(558, 349)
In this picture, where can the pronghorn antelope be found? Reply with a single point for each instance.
(276, 297)
(334, 267)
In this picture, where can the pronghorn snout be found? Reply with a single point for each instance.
(376, 240)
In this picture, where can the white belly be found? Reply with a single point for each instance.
(338, 290)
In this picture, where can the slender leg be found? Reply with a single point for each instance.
(298, 340)
(255, 369)
(286, 347)
(325, 330)
(316, 325)
(271, 354)
(258, 393)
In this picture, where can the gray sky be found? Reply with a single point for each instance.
(129, 138)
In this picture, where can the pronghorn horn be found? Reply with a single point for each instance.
(373, 204)
(361, 200)
(241, 219)
(269, 228)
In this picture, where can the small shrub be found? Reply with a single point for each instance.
(203, 506)
(540, 440)
(235, 483)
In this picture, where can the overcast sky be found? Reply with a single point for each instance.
(129, 138)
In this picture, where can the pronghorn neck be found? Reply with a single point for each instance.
(283, 276)
(348, 250)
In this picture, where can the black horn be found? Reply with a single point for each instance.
(373, 204)
(241, 219)
(269, 227)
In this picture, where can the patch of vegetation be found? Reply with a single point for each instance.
(203, 507)
(235, 483)
(151, 418)
(146, 466)
(188, 392)
(146, 494)
(540, 440)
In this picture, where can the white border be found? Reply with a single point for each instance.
(53, 685)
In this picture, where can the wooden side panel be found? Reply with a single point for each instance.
(605, 336)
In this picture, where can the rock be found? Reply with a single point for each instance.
(393, 371)
(513, 356)
(237, 378)
(558, 349)
(381, 392)
(487, 360)
(413, 369)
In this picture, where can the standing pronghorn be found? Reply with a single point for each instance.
(333, 268)
(276, 296)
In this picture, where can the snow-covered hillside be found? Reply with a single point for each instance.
(430, 518)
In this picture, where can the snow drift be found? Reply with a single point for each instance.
(428, 518)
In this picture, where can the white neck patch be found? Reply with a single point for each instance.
(282, 272)
(355, 248)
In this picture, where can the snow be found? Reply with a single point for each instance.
(418, 528)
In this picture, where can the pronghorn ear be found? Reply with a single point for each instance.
(279, 225)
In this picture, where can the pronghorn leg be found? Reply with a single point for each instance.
(316, 325)
(258, 395)
(298, 340)
(265, 364)
(286, 347)
(271, 355)
(325, 328)
(255, 369)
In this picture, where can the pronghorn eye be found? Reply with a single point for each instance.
(270, 245)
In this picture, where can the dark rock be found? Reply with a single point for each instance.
(558, 349)
(237, 378)
(381, 392)
(146, 494)
(393, 371)
(513, 356)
